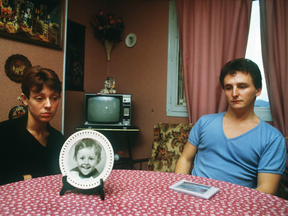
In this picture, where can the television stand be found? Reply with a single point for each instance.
(109, 128)
(112, 130)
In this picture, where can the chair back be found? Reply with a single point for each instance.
(168, 145)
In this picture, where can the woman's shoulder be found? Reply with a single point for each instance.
(5, 123)
(12, 130)
(14, 123)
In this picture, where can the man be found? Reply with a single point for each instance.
(236, 146)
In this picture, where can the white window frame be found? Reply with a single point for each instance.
(172, 109)
(264, 113)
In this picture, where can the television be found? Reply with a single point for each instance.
(107, 110)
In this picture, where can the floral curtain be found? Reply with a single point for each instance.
(211, 33)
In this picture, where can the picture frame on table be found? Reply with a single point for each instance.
(86, 158)
(38, 22)
(194, 189)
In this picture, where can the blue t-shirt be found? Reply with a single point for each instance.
(237, 160)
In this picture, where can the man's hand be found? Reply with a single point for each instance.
(27, 177)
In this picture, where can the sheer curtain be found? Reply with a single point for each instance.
(274, 36)
(211, 33)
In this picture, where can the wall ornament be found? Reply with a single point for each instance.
(108, 30)
(15, 67)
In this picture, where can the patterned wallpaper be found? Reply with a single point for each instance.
(37, 55)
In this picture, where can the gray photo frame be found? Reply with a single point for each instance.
(69, 168)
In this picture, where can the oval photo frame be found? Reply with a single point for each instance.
(130, 40)
(73, 170)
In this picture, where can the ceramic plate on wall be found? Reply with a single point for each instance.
(86, 157)
(15, 67)
(130, 40)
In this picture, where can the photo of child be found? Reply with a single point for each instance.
(87, 154)
(194, 187)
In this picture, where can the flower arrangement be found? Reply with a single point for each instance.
(108, 28)
(118, 155)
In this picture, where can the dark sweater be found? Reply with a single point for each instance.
(22, 154)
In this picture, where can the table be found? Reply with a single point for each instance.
(134, 192)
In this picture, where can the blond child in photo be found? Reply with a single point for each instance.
(87, 155)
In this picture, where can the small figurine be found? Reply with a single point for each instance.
(109, 86)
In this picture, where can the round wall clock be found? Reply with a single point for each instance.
(130, 40)
(86, 157)
(15, 67)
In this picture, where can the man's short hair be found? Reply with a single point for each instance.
(36, 77)
(243, 65)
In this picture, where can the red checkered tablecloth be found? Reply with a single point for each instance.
(131, 192)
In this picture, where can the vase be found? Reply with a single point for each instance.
(108, 48)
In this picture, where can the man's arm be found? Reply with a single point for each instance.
(268, 182)
(184, 163)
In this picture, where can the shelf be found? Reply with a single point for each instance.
(121, 129)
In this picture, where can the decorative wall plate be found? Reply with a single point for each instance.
(79, 173)
(17, 111)
(15, 67)
(130, 40)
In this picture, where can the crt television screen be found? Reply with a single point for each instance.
(103, 109)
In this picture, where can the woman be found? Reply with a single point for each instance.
(30, 147)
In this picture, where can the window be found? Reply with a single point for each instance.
(254, 52)
(175, 102)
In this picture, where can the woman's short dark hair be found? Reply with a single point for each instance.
(243, 65)
(36, 77)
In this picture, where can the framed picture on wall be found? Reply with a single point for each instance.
(75, 56)
(35, 21)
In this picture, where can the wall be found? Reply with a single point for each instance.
(140, 70)
(37, 55)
